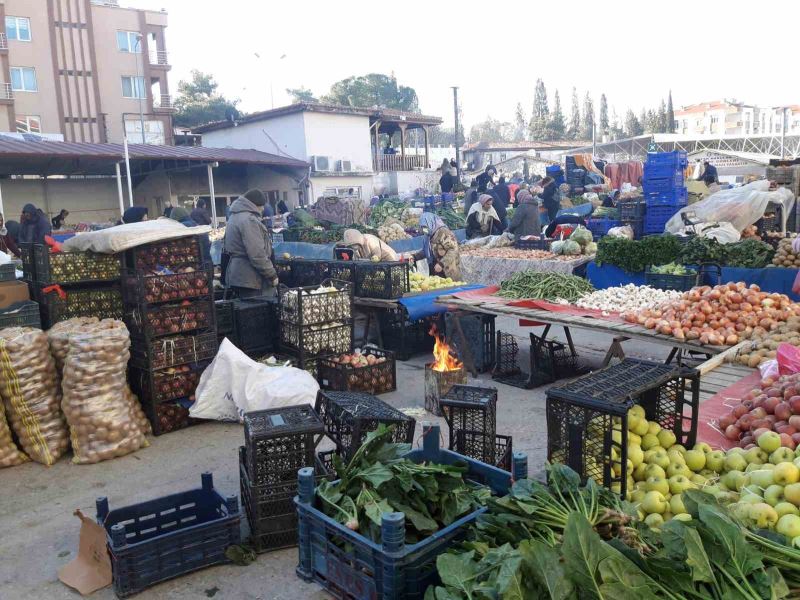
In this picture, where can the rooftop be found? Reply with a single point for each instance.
(383, 114)
(525, 145)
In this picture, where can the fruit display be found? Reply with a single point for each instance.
(171, 319)
(512, 253)
(177, 382)
(313, 340)
(544, 286)
(381, 279)
(719, 316)
(426, 283)
(370, 370)
(170, 254)
(626, 298)
(764, 346)
(165, 352)
(314, 305)
(785, 256)
(390, 232)
(74, 267)
(187, 282)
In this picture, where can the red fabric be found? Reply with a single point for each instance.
(512, 189)
(57, 289)
(612, 171)
(719, 404)
(55, 246)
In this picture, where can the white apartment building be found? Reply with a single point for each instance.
(728, 117)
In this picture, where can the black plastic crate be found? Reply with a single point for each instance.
(404, 337)
(552, 360)
(170, 536)
(632, 210)
(308, 271)
(386, 280)
(506, 369)
(284, 268)
(533, 243)
(342, 270)
(637, 225)
(664, 281)
(479, 337)
(158, 288)
(378, 378)
(21, 314)
(223, 313)
(583, 414)
(280, 359)
(168, 254)
(349, 416)
(311, 341)
(166, 352)
(475, 442)
(473, 409)
(56, 304)
(28, 265)
(166, 385)
(307, 306)
(8, 272)
(280, 441)
(157, 320)
(74, 267)
(167, 417)
(255, 325)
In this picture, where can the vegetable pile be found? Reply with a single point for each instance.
(748, 253)
(672, 269)
(635, 255)
(626, 298)
(422, 283)
(453, 219)
(369, 371)
(509, 252)
(765, 345)
(392, 231)
(378, 479)
(392, 208)
(785, 256)
(544, 286)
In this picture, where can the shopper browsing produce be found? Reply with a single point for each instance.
(7, 243)
(526, 216)
(367, 246)
(482, 219)
(440, 247)
(34, 225)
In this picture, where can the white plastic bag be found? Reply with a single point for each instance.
(119, 238)
(234, 384)
(724, 233)
(626, 231)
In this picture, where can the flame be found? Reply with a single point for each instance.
(444, 359)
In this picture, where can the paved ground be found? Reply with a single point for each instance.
(40, 535)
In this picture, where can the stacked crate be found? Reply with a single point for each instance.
(72, 284)
(664, 188)
(170, 312)
(632, 213)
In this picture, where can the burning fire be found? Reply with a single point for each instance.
(444, 360)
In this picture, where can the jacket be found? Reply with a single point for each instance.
(248, 243)
(526, 219)
(503, 194)
(445, 253)
(33, 232)
(200, 216)
(446, 182)
(474, 227)
(499, 207)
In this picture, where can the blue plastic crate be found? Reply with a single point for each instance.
(167, 537)
(674, 197)
(600, 227)
(661, 172)
(352, 567)
(676, 158)
(659, 185)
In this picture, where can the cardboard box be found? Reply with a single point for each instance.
(12, 292)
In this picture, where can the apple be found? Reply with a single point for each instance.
(786, 508)
(678, 469)
(763, 478)
(787, 441)
(740, 510)
(698, 480)
(753, 489)
(756, 456)
(769, 405)
(641, 428)
(792, 493)
(679, 447)
(683, 517)
(763, 515)
(679, 484)
(654, 503)
(654, 520)
(747, 498)
(786, 473)
(654, 470)
(735, 462)
(783, 411)
(666, 438)
(653, 428)
(637, 496)
(769, 442)
(715, 461)
(703, 447)
(635, 454)
(675, 456)
(796, 438)
(796, 462)
(788, 525)
(658, 484)
(794, 404)
(639, 472)
(649, 441)
(734, 480)
(634, 439)
(660, 458)
(633, 420)
(782, 455)
(676, 506)
(773, 495)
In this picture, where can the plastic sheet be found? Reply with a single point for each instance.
(424, 305)
(29, 386)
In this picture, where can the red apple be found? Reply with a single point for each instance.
(758, 413)
(796, 438)
(770, 404)
(744, 422)
(794, 421)
(740, 411)
(758, 432)
(783, 411)
(787, 441)
(732, 432)
(774, 392)
(760, 424)
(794, 404)
(786, 429)
(726, 421)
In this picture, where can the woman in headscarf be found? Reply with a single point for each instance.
(366, 246)
(526, 216)
(439, 248)
(134, 214)
(7, 243)
(482, 219)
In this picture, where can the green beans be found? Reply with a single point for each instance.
(544, 286)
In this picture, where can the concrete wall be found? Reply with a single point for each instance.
(342, 137)
(287, 131)
(89, 200)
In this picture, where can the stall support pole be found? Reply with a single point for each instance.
(119, 190)
(2, 208)
(210, 168)
(128, 170)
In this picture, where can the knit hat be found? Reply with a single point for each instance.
(255, 196)
(134, 214)
(179, 213)
(29, 208)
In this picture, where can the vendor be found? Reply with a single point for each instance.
(34, 225)
(446, 181)
(526, 216)
(58, 220)
(200, 214)
(440, 247)
(482, 219)
(549, 197)
(484, 179)
(366, 246)
(7, 243)
(710, 175)
(562, 220)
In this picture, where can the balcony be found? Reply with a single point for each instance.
(397, 162)
(6, 93)
(159, 58)
(163, 104)
(3, 42)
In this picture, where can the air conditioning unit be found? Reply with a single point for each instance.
(321, 163)
(344, 166)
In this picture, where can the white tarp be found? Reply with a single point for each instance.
(119, 238)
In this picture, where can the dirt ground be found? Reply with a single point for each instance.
(40, 533)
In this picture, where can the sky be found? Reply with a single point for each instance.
(634, 52)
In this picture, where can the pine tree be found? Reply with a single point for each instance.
(651, 121)
(632, 125)
(670, 114)
(587, 123)
(520, 123)
(661, 118)
(615, 128)
(574, 118)
(540, 116)
(603, 114)
(643, 120)
(557, 127)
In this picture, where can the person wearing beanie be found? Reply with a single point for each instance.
(34, 225)
(526, 216)
(247, 242)
(135, 214)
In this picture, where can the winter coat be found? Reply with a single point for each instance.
(446, 182)
(200, 216)
(474, 227)
(248, 243)
(526, 219)
(33, 232)
(445, 252)
(550, 199)
(503, 194)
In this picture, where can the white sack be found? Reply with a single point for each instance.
(119, 238)
(234, 384)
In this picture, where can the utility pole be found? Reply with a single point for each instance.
(455, 113)
(783, 133)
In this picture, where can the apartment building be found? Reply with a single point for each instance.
(84, 71)
(727, 117)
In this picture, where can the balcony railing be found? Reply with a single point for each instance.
(6, 93)
(163, 102)
(396, 162)
(3, 41)
(159, 57)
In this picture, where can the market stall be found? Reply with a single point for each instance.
(489, 270)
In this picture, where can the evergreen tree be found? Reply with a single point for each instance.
(587, 123)
(651, 121)
(661, 118)
(574, 118)
(632, 125)
(603, 114)
(643, 120)
(670, 114)
(540, 115)
(520, 124)
(557, 127)
(615, 130)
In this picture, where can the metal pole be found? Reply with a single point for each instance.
(119, 190)
(211, 193)
(455, 113)
(128, 169)
(783, 133)
(141, 91)
(2, 209)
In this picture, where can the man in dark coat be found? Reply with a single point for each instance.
(502, 191)
(549, 197)
(484, 179)
(200, 214)
(34, 225)
(710, 175)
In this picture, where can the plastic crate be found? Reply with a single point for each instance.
(662, 185)
(255, 325)
(551, 361)
(280, 441)
(21, 314)
(56, 305)
(156, 387)
(306, 306)
(349, 416)
(678, 159)
(167, 417)
(665, 281)
(387, 280)
(631, 209)
(472, 409)
(8, 272)
(379, 378)
(166, 352)
(148, 288)
(478, 330)
(600, 227)
(170, 536)
(284, 268)
(342, 270)
(653, 172)
(223, 314)
(310, 341)
(74, 267)
(351, 567)
(581, 414)
(637, 225)
(676, 197)
(308, 272)
(404, 337)
(507, 369)
(474, 441)
(158, 320)
(533, 243)
(28, 265)
(169, 254)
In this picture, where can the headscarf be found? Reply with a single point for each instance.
(433, 223)
(179, 214)
(484, 215)
(30, 209)
(445, 166)
(524, 196)
(134, 214)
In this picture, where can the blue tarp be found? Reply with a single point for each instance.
(423, 305)
(610, 276)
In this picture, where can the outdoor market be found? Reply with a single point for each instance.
(369, 396)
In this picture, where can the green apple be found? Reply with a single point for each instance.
(676, 506)
(641, 428)
(763, 478)
(655, 470)
(654, 520)
(660, 458)
(666, 438)
(792, 493)
(769, 441)
(773, 495)
(698, 480)
(786, 508)
(679, 483)
(796, 462)
(654, 502)
(748, 498)
(635, 454)
(633, 420)
(736, 450)
(752, 489)
(675, 456)
(763, 515)
(683, 517)
(788, 525)
(703, 447)
(727, 497)
(654, 429)
(634, 439)
(734, 480)
(658, 484)
(740, 511)
(735, 462)
(679, 447)
(715, 461)
(678, 469)
(695, 460)
(649, 441)
(638, 411)
(781, 455)
(637, 496)
(756, 456)
(667, 516)
(639, 472)
(786, 473)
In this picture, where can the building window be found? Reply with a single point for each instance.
(129, 41)
(153, 131)
(29, 124)
(18, 28)
(133, 87)
(23, 79)
(344, 192)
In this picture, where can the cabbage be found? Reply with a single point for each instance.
(591, 248)
(582, 235)
(571, 248)
(557, 247)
